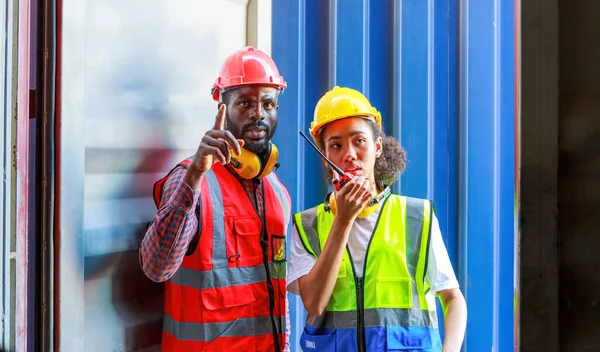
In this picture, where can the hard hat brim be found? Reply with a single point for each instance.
(316, 131)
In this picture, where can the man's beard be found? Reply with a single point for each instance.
(261, 149)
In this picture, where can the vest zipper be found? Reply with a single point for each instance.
(360, 289)
(360, 331)
(270, 288)
(360, 298)
(264, 242)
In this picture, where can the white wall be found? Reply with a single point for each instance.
(136, 80)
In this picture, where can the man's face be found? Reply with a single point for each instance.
(252, 115)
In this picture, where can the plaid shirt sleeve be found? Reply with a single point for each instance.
(166, 241)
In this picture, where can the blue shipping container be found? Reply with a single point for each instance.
(442, 73)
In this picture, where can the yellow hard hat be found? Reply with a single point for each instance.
(340, 103)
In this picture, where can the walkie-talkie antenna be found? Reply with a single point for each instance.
(334, 166)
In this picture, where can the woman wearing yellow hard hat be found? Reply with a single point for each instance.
(366, 263)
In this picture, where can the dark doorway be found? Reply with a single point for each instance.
(560, 176)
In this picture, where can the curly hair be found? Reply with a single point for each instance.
(390, 164)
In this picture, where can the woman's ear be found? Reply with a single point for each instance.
(378, 147)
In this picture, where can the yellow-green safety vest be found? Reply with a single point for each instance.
(391, 307)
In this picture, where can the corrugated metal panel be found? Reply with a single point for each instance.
(442, 74)
(487, 173)
(136, 79)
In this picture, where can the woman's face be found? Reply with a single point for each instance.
(350, 145)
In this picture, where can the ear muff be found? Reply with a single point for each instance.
(272, 162)
(369, 209)
(331, 206)
(248, 165)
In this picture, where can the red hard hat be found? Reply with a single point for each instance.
(247, 66)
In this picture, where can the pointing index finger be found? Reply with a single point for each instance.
(220, 119)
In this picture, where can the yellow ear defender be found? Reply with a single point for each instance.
(369, 209)
(248, 165)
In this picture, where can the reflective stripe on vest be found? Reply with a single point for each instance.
(373, 317)
(206, 332)
(282, 195)
(394, 273)
(245, 275)
(227, 293)
(219, 254)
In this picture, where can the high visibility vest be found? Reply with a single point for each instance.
(391, 307)
(229, 294)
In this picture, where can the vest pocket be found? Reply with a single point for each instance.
(228, 297)
(394, 292)
(412, 338)
(318, 343)
(244, 241)
(229, 311)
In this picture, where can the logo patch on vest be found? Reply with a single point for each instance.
(310, 344)
(278, 247)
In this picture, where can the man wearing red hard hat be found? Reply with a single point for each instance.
(218, 237)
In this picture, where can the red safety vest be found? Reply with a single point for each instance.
(229, 294)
